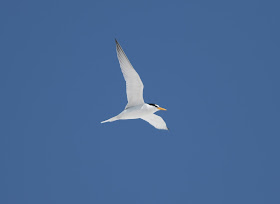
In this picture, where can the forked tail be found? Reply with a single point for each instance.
(110, 120)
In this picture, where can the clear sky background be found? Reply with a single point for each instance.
(213, 64)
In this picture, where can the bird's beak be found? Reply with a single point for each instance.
(161, 108)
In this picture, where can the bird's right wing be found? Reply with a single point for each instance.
(134, 85)
(155, 121)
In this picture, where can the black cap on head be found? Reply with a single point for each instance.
(152, 104)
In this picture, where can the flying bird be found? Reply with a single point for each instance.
(136, 107)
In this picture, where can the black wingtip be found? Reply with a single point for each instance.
(116, 41)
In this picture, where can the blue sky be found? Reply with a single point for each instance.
(213, 64)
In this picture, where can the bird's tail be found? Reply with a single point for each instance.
(110, 120)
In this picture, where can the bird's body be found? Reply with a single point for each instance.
(135, 112)
(136, 107)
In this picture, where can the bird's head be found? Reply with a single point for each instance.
(156, 107)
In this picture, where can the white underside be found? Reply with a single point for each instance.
(134, 112)
(144, 112)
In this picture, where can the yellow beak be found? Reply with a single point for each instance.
(161, 108)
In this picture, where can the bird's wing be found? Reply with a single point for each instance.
(155, 121)
(134, 85)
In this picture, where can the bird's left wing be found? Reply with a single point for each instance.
(134, 85)
(155, 121)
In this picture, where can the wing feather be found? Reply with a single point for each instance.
(155, 121)
(134, 85)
